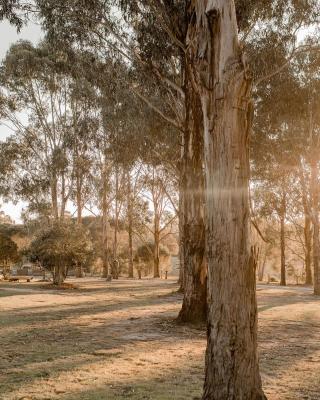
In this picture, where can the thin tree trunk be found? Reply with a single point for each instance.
(116, 228)
(315, 217)
(79, 269)
(308, 248)
(194, 305)
(130, 227)
(232, 369)
(105, 262)
(58, 275)
(283, 281)
(262, 267)
(156, 250)
(63, 197)
(54, 198)
(79, 199)
(314, 142)
(181, 235)
(307, 228)
(116, 219)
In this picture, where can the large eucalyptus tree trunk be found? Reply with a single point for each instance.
(195, 270)
(224, 85)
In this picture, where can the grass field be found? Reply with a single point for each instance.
(120, 340)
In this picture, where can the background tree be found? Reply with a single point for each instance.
(61, 247)
(8, 253)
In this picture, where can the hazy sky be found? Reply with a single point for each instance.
(8, 35)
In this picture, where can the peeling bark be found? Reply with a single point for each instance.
(224, 85)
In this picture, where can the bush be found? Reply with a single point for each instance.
(61, 246)
(145, 252)
(8, 252)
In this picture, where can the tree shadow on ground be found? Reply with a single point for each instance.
(48, 344)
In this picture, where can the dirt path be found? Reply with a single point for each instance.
(119, 340)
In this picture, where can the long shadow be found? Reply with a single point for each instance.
(87, 308)
(182, 383)
(73, 341)
(277, 301)
(80, 292)
(162, 383)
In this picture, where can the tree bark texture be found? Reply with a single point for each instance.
(224, 85)
(194, 305)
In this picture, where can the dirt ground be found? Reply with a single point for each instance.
(119, 340)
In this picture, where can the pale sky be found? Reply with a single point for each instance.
(8, 35)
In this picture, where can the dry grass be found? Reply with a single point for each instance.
(119, 340)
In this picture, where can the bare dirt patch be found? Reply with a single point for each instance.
(119, 340)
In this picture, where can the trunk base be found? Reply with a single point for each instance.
(259, 396)
(193, 315)
(194, 309)
(79, 272)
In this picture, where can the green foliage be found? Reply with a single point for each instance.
(145, 252)
(11, 10)
(8, 250)
(61, 245)
(11, 230)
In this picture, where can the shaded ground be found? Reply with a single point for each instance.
(119, 340)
